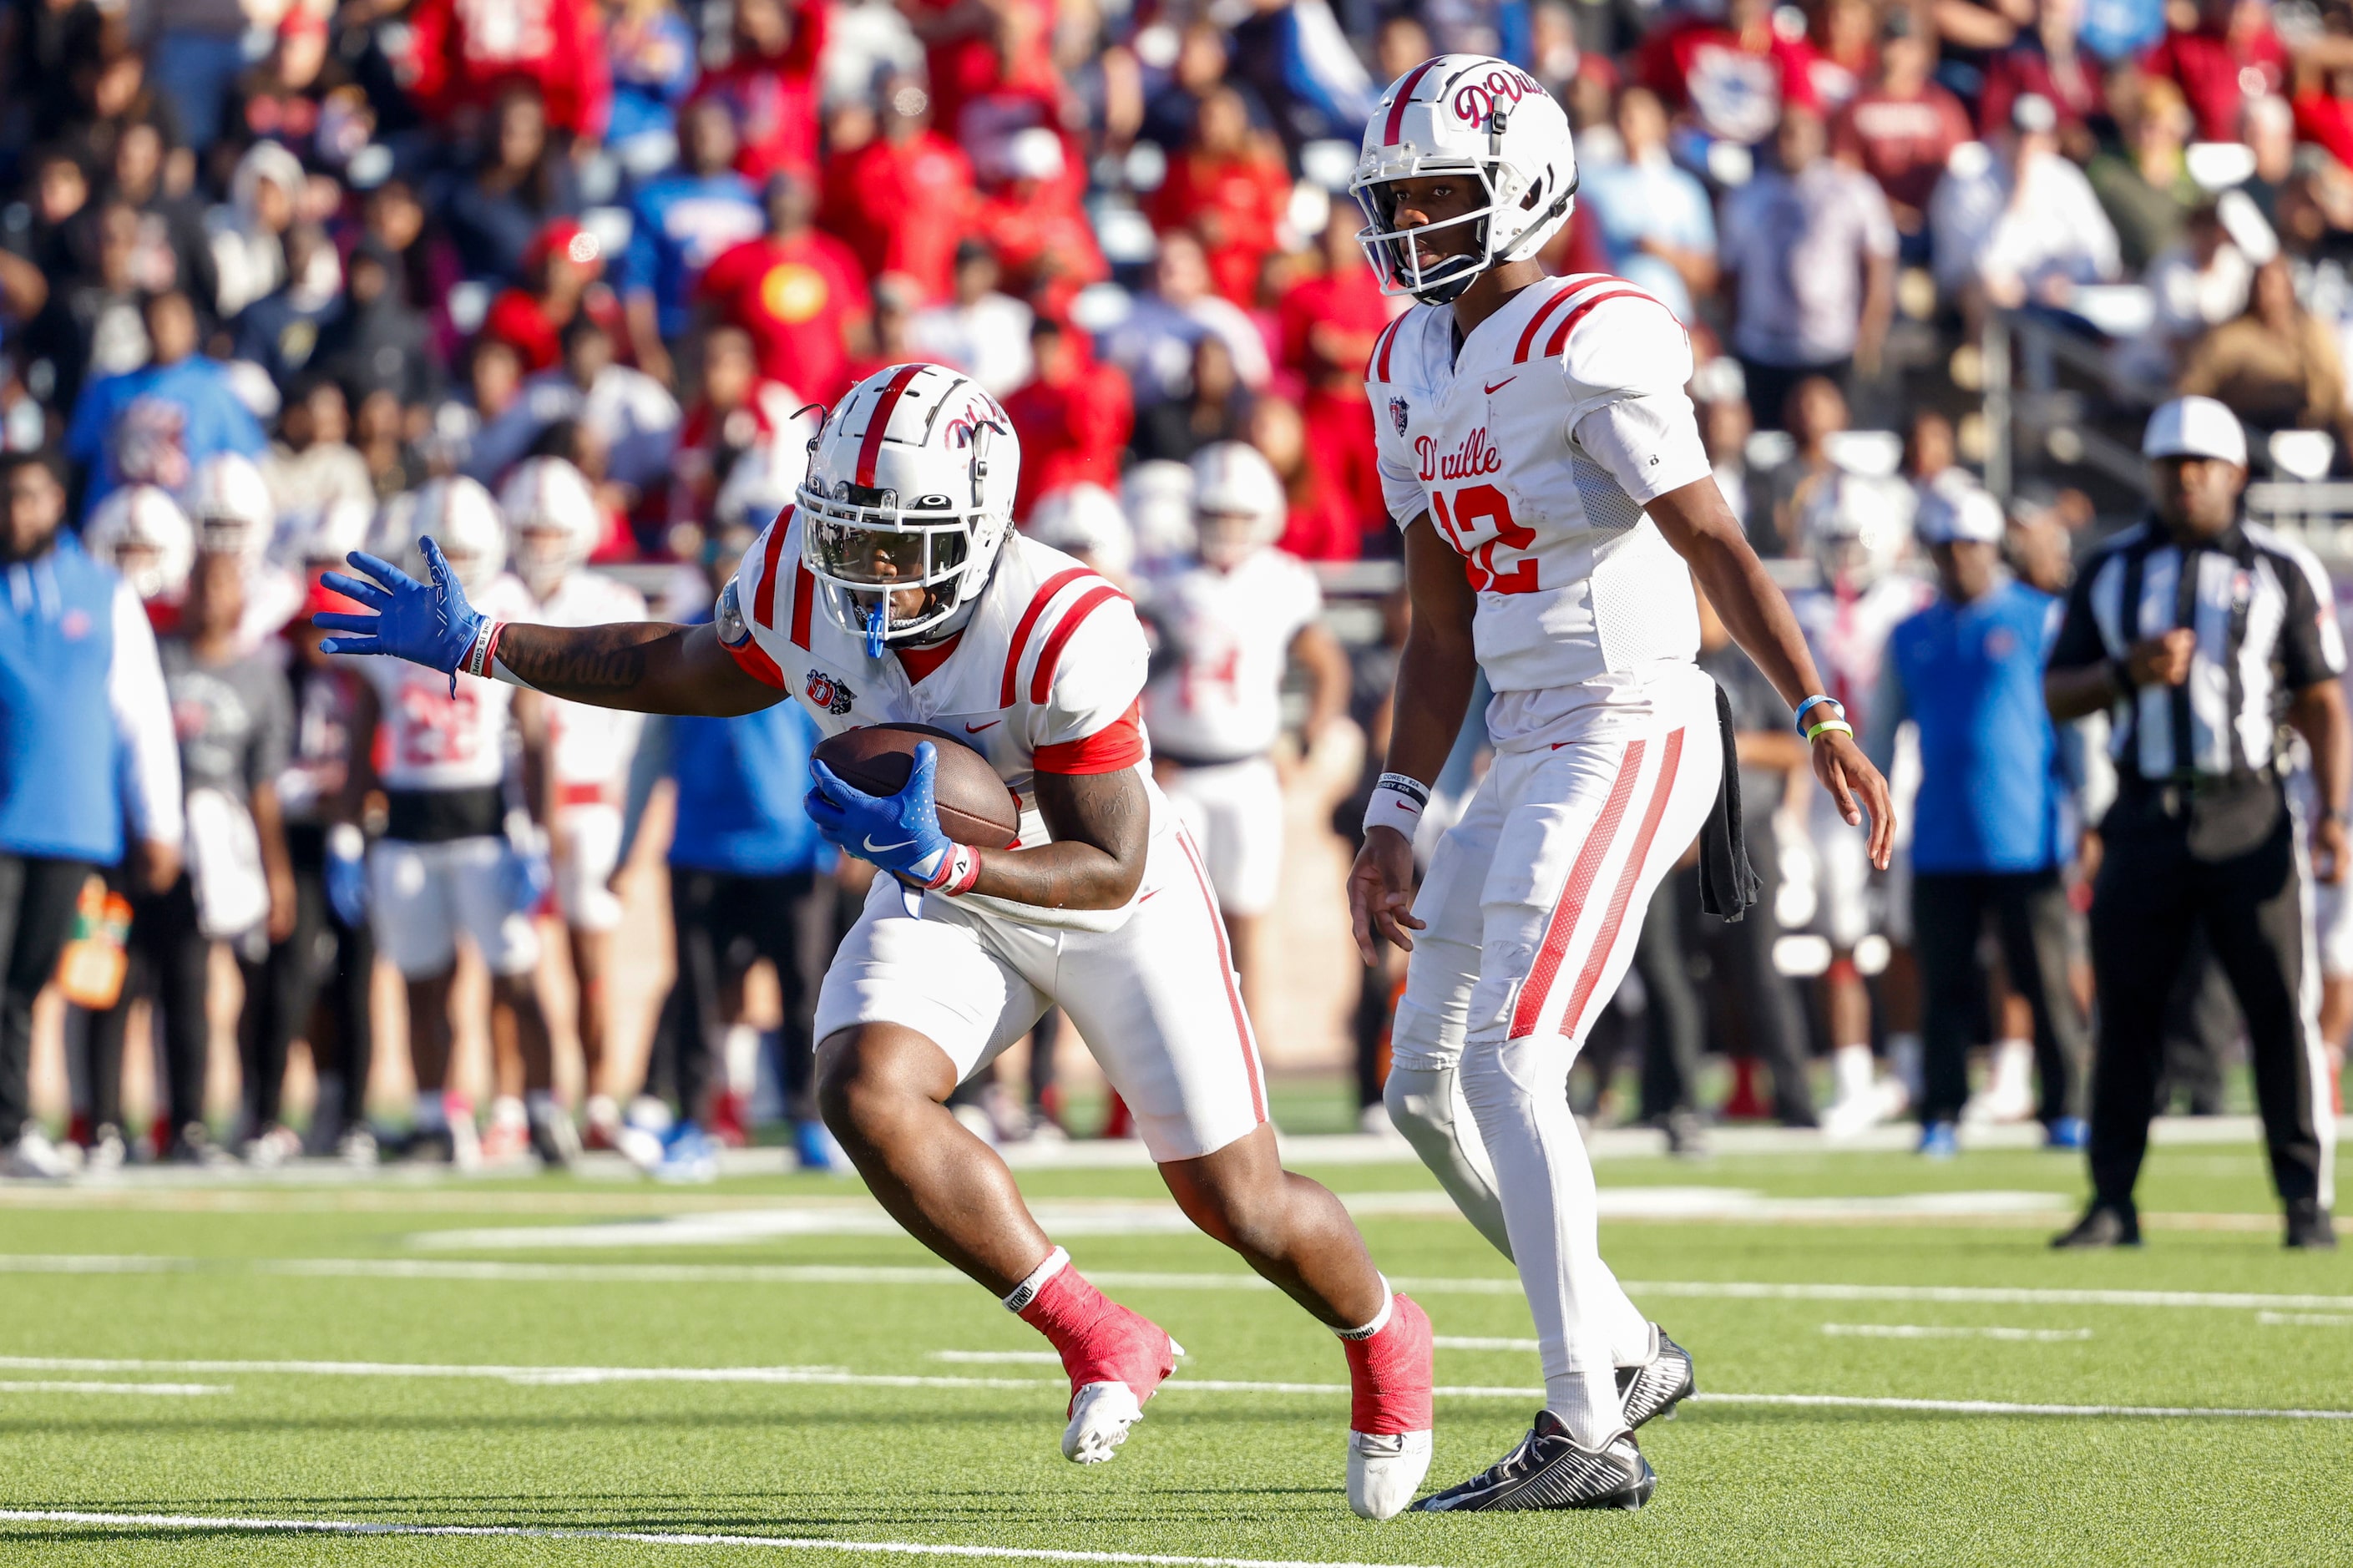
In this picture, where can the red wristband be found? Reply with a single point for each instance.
(484, 650)
(957, 872)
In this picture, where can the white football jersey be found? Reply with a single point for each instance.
(1847, 634)
(1220, 698)
(1049, 671)
(1534, 448)
(438, 741)
(591, 747)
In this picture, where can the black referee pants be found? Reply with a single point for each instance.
(725, 925)
(2225, 863)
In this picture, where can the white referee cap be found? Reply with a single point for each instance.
(1957, 509)
(2195, 427)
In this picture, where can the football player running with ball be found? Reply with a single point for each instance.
(1538, 450)
(896, 591)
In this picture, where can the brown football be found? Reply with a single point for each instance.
(974, 806)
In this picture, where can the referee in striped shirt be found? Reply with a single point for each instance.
(2198, 632)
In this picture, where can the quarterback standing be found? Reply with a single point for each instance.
(1537, 446)
(894, 590)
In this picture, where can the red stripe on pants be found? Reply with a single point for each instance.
(1599, 959)
(1226, 959)
(1563, 924)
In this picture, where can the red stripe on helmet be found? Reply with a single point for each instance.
(1404, 97)
(871, 447)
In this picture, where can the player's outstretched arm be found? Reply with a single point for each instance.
(1436, 671)
(647, 667)
(1700, 527)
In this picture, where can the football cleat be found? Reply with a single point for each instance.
(1659, 1384)
(553, 1137)
(1549, 1471)
(1123, 1357)
(1388, 1437)
(2103, 1225)
(2309, 1226)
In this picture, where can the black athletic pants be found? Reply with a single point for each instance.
(1674, 1018)
(323, 961)
(2029, 910)
(1753, 1001)
(37, 909)
(2224, 858)
(726, 924)
(170, 962)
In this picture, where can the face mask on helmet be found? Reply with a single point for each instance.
(888, 583)
(1229, 538)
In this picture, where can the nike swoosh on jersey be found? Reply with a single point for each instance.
(1494, 387)
(977, 729)
(874, 848)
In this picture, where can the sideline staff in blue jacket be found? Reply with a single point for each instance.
(1992, 829)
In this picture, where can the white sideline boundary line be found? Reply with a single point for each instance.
(562, 1376)
(937, 1274)
(638, 1537)
(1951, 1331)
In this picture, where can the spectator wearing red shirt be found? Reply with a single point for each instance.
(1902, 129)
(2048, 63)
(1329, 322)
(736, 409)
(798, 293)
(1231, 188)
(565, 268)
(1318, 525)
(2215, 63)
(1729, 77)
(1073, 416)
(905, 199)
(1045, 247)
(974, 47)
(769, 83)
(457, 63)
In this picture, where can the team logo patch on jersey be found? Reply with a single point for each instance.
(1398, 413)
(830, 693)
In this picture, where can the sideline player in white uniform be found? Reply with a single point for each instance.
(1860, 529)
(1231, 622)
(458, 854)
(896, 591)
(140, 531)
(1538, 450)
(553, 524)
(228, 501)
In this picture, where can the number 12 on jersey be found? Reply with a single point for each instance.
(1479, 520)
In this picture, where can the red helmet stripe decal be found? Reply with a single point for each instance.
(870, 446)
(1404, 97)
(1028, 623)
(1560, 333)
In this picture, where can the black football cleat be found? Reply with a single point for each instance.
(2103, 1225)
(2309, 1228)
(1548, 1470)
(1659, 1384)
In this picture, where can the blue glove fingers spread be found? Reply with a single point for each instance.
(343, 621)
(382, 571)
(435, 562)
(354, 645)
(358, 588)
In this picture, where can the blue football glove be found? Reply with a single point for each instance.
(429, 624)
(347, 883)
(525, 874)
(898, 831)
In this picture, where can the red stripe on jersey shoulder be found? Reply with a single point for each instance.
(1404, 97)
(764, 601)
(877, 424)
(1381, 349)
(1028, 623)
(1119, 744)
(1042, 680)
(1568, 323)
(1560, 297)
(804, 597)
(756, 663)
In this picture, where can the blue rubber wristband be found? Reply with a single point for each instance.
(1810, 702)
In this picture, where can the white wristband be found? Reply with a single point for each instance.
(1397, 802)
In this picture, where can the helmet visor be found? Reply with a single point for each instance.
(861, 555)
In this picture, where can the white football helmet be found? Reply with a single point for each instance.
(140, 531)
(1157, 497)
(228, 501)
(1238, 505)
(1474, 115)
(338, 529)
(1087, 522)
(457, 515)
(1857, 526)
(910, 485)
(553, 522)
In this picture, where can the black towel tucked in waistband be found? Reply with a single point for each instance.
(1728, 882)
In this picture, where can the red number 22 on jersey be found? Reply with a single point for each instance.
(1479, 521)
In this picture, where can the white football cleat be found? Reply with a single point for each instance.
(1100, 1415)
(1384, 1471)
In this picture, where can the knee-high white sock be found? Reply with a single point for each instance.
(1545, 1179)
(1426, 1105)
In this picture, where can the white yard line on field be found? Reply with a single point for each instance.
(1001, 1358)
(65, 1385)
(1949, 1332)
(201, 1522)
(2305, 1319)
(1478, 1343)
(1133, 1279)
(562, 1376)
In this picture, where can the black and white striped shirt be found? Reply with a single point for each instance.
(2267, 628)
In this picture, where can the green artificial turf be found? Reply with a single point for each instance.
(1227, 1474)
